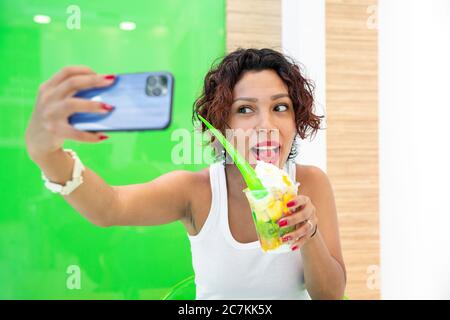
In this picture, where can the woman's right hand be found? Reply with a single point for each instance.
(49, 125)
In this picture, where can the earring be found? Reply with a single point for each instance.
(294, 151)
(224, 157)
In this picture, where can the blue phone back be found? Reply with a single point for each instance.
(142, 101)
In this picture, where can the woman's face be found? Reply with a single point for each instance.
(262, 118)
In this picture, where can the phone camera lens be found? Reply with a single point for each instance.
(152, 81)
(163, 81)
(156, 91)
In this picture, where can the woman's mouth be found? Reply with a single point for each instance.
(267, 152)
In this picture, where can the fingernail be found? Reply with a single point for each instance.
(110, 77)
(282, 223)
(286, 238)
(102, 137)
(294, 248)
(107, 107)
(291, 203)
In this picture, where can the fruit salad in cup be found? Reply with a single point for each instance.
(279, 189)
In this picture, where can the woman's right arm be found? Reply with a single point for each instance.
(162, 200)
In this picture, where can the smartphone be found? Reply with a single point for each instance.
(142, 101)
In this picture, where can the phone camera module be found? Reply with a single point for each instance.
(156, 86)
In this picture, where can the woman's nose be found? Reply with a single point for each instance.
(266, 124)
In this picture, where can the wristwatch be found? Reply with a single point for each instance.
(70, 185)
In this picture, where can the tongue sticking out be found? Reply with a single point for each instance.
(269, 156)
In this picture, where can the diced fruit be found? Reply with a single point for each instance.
(270, 244)
(261, 216)
(286, 198)
(275, 210)
(286, 181)
(267, 230)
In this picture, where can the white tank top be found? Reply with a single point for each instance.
(227, 269)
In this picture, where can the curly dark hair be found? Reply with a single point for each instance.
(216, 99)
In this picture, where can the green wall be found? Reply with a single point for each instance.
(41, 236)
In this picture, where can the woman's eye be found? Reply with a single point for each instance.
(243, 110)
(281, 107)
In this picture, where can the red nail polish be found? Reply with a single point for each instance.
(294, 248)
(286, 238)
(291, 203)
(282, 223)
(102, 137)
(110, 77)
(107, 107)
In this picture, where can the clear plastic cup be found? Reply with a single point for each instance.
(266, 212)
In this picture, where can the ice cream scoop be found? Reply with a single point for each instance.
(273, 177)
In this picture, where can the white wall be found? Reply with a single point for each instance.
(303, 38)
(414, 86)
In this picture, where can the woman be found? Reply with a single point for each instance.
(254, 90)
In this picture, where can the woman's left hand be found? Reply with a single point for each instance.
(303, 216)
